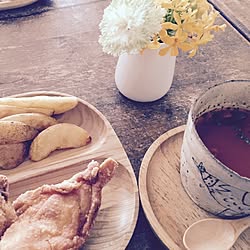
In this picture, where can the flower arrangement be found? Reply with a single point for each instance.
(130, 26)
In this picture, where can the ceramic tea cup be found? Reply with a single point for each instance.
(210, 184)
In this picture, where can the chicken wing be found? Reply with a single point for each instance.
(7, 212)
(58, 216)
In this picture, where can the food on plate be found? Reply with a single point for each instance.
(7, 110)
(59, 104)
(59, 216)
(12, 155)
(35, 120)
(15, 132)
(59, 136)
(23, 118)
(7, 212)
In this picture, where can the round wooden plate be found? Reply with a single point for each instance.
(168, 208)
(118, 214)
(12, 4)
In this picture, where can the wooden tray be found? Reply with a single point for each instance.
(168, 208)
(117, 217)
(12, 4)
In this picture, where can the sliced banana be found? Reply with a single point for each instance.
(59, 136)
(7, 110)
(59, 104)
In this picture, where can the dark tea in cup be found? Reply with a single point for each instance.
(226, 134)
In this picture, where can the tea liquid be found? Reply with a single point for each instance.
(226, 133)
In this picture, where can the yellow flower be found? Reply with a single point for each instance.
(175, 42)
(197, 41)
(188, 25)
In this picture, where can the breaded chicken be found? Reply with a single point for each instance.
(59, 216)
(7, 212)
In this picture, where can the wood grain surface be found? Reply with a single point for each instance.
(52, 45)
(167, 206)
(237, 13)
(117, 217)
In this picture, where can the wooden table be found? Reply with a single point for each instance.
(53, 45)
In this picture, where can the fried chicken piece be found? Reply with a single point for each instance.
(7, 212)
(59, 216)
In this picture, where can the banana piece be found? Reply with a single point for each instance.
(15, 132)
(59, 136)
(59, 104)
(7, 110)
(35, 120)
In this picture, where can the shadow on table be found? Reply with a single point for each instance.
(34, 9)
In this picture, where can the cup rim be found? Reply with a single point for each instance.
(244, 178)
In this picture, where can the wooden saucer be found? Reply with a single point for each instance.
(167, 206)
(12, 4)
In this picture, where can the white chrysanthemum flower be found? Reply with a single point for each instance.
(129, 25)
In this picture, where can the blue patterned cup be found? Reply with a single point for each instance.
(209, 183)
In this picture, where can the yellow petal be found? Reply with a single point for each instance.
(169, 26)
(174, 51)
(218, 28)
(192, 53)
(163, 33)
(167, 5)
(168, 40)
(191, 27)
(185, 46)
(164, 51)
(177, 18)
(154, 45)
(182, 36)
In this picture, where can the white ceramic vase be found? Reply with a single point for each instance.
(144, 77)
